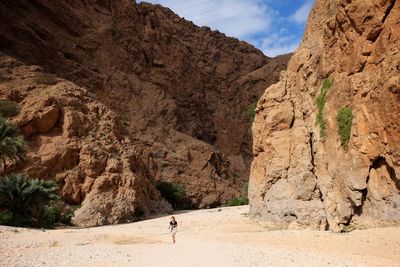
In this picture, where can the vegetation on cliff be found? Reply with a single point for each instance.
(251, 113)
(344, 120)
(321, 100)
(8, 108)
(12, 145)
(244, 200)
(25, 201)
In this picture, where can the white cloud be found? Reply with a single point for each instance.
(300, 16)
(251, 20)
(278, 43)
(239, 19)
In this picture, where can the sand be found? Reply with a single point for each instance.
(214, 237)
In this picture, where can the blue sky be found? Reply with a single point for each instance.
(274, 26)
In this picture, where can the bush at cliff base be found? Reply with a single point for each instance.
(30, 202)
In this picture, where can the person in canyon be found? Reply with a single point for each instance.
(173, 227)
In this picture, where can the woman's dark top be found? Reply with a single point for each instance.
(173, 224)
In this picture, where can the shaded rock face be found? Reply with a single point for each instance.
(78, 141)
(299, 179)
(177, 94)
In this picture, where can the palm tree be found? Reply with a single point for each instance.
(12, 145)
(25, 198)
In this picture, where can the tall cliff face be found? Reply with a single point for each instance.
(176, 96)
(302, 175)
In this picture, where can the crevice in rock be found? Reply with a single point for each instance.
(376, 164)
(354, 26)
(358, 210)
(263, 196)
(138, 214)
(381, 161)
(312, 153)
(373, 35)
(388, 10)
(313, 167)
(342, 30)
(290, 215)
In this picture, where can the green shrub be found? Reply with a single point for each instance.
(344, 120)
(49, 216)
(238, 201)
(12, 146)
(347, 229)
(67, 214)
(245, 188)
(5, 217)
(321, 100)
(250, 131)
(57, 213)
(8, 108)
(174, 193)
(251, 112)
(26, 199)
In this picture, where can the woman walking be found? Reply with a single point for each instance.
(173, 227)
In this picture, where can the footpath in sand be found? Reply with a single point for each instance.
(215, 237)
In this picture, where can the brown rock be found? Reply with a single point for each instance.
(41, 122)
(356, 44)
(149, 85)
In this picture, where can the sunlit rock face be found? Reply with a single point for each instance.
(302, 179)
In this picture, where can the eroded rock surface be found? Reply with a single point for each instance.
(141, 81)
(76, 140)
(299, 179)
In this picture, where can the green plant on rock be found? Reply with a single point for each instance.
(244, 200)
(8, 108)
(12, 146)
(238, 201)
(321, 101)
(245, 188)
(347, 228)
(344, 120)
(251, 113)
(26, 198)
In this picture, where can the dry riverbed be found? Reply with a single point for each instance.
(215, 237)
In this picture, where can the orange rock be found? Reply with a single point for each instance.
(148, 97)
(298, 176)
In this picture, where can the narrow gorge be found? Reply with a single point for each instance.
(116, 96)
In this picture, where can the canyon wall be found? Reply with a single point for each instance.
(116, 96)
(305, 174)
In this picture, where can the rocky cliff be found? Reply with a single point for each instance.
(326, 136)
(116, 96)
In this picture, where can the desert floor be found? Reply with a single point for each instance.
(214, 237)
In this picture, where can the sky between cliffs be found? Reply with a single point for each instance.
(273, 26)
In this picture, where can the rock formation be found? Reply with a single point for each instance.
(303, 176)
(116, 96)
(78, 141)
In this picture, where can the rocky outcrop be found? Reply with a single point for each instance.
(302, 177)
(177, 92)
(78, 141)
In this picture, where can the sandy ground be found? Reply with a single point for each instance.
(215, 237)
